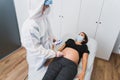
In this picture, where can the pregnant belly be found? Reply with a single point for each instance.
(71, 54)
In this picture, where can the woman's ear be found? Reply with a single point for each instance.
(84, 41)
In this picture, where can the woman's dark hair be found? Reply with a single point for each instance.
(85, 38)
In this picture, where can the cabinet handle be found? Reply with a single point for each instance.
(96, 22)
(100, 22)
(61, 16)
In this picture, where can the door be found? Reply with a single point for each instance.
(70, 13)
(108, 28)
(90, 11)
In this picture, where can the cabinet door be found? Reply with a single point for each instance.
(56, 18)
(70, 12)
(89, 16)
(108, 29)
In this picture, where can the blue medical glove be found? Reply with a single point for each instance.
(48, 2)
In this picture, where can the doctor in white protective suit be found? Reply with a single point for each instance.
(37, 38)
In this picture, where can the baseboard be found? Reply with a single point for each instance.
(10, 53)
(116, 53)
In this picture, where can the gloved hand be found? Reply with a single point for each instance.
(48, 2)
(59, 54)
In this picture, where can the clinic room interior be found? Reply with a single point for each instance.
(23, 55)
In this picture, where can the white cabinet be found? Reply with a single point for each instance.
(89, 16)
(65, 17)
(100, 20)
(108, 28)
(70, 12)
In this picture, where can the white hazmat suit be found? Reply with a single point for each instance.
(37, 38)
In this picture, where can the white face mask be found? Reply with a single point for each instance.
(79, 38)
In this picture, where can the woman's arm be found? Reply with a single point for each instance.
(62, 47)
(84, 66)
(84, 62)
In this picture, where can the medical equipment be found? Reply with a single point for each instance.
(58, 42)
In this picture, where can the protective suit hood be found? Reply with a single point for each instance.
(35, 8)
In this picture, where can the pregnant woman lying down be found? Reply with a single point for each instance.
(65, 67)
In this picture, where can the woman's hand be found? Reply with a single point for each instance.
(59, 54)
(81, 76)
(44, 8)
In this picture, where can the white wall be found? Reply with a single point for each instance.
(22, 14)
(117, 45)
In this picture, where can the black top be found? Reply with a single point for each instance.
(80, 48)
